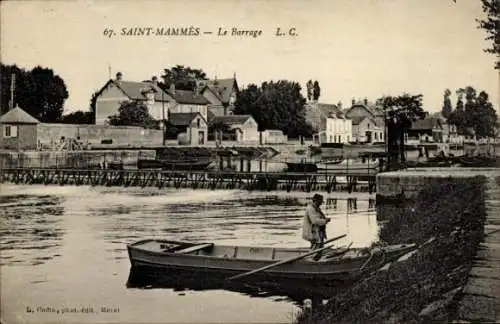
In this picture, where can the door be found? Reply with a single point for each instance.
(201, 137)
(368, 136)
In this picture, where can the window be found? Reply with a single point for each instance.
(198, 123)
(10, 131)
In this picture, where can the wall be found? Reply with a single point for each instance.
(26, 138)
(94, 134)
(273, 137)
(71, 159)
(411, 182)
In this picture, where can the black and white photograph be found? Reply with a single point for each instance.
(230, 161)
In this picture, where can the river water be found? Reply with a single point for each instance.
(64, 249)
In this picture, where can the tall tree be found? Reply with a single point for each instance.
(309, 86)
(401, 112)
(316, 91)
(40, 92)
(447, 107)
(275, 105)
(491, 24)
(133, 113)
(183, 77)
(477, 114)
(485, 117)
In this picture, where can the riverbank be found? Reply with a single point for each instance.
(447, 218)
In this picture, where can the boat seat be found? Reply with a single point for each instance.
(195, 248)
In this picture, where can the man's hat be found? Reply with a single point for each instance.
(317, 197)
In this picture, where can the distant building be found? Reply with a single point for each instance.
(366, 108)
(338, 129)
(243, 127)
(114, 92)
(317, 113)
(368, 121)
(366, 130)
(188, 101)
(222, 94)
(273, 136)
(18, 130)
(427, 130)
(189, 128)
(450, 131)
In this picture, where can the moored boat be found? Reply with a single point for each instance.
(209, 260)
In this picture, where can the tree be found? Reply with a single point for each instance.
(477, 114)
(40, 92)
(316, 91)
(78, 117)
(400, 112)
(309, 86)
(447, 107)
(491, 24)
(275, 105)
(133, 113)
(184, 78)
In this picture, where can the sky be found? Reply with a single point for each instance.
(354, 49)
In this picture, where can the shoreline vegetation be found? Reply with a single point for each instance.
(426, 287)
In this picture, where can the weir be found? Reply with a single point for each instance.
(335, 181)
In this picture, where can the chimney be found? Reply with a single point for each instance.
(119, 76)
(353, 101)
(365, 101)
(339, 105)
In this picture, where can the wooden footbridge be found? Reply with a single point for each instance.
(360, 180)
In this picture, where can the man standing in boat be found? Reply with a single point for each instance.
(314, 223)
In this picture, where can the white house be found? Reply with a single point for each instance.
(114, 92)
(338, 129)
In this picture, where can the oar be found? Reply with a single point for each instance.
(241, 275)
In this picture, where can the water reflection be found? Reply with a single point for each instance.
(31, 224)
(139, 279)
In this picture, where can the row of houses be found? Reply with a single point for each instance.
(364, 122)
(190, 112)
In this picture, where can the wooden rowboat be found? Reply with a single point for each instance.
(208, 260)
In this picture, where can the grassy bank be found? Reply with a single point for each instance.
(425, 287)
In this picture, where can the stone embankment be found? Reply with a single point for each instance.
(446, 214)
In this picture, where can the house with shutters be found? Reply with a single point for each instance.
(116, 91)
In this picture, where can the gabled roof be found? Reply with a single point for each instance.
(230, 119)
(369, 106)
(183, 119)
(356, 120)
(223, 88)
(138, 90)
(188, 97)
(18, 116)
(327, 109)
(427, 123)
